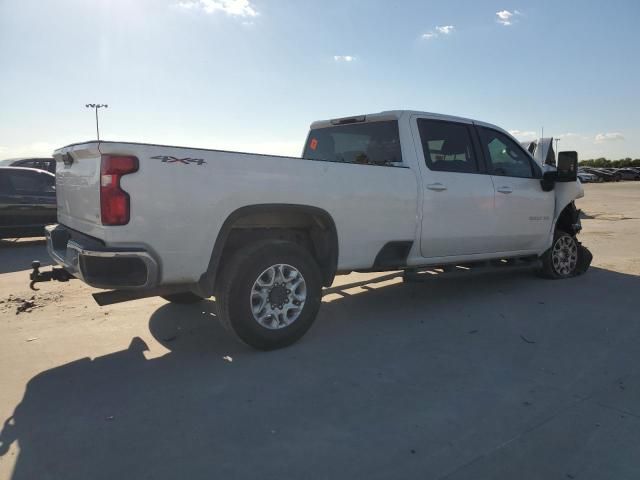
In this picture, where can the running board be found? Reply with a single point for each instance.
(465, 269)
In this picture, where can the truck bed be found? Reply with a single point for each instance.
(180, 198)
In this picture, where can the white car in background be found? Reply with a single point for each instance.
(585, 177)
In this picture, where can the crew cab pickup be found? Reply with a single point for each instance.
(397, 190)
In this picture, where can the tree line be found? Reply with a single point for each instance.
(605, 163)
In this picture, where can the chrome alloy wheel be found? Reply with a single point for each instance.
(278, 296)
(564, 255)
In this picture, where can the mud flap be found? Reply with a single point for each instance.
(584, 259)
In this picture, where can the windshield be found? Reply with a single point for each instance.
(376, 143)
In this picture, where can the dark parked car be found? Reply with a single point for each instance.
(27, 201)
(46, 163)
(600, 173)
(628, 174)
(613, 172)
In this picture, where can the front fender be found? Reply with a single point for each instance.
(565, 194)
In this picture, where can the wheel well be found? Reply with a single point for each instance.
(310, 227)
(568, 220)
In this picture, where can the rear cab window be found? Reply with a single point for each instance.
(369, 143)
(26, 164)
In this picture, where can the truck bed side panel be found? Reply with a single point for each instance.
(181, 197)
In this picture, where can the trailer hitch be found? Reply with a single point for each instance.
(57, 273)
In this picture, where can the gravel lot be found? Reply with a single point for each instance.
(497, 376)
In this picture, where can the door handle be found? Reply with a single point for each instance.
(505, 189)
(438, 187)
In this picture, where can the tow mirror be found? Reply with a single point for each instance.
(567, 167)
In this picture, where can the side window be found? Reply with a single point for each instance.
(28, 183)
(447, 146)
(49, 184)
(505, 157)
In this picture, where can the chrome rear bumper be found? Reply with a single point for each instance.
(99, 266)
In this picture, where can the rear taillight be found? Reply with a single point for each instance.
(114, 202)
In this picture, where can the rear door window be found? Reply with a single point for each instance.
(447, 146)
(372, 143)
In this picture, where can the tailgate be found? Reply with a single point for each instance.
(78, 187)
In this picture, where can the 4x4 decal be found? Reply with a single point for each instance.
(186, 161)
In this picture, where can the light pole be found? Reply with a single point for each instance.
(96, 106)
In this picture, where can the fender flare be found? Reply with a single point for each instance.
(207, 280)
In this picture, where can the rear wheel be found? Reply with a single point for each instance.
(561, 260)
(183, 298)
(269, 294)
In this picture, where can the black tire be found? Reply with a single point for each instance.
(234, 289)
(554, 268)
(183, 298)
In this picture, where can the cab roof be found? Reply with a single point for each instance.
(396, 115)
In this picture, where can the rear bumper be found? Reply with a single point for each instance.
(99, 266)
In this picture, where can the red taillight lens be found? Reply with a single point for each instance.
(114, 202)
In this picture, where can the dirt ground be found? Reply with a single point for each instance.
(497, 376)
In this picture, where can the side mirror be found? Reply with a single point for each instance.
(548, 180)
(567, 167)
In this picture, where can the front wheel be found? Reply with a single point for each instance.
(269, 294)
(561, 260)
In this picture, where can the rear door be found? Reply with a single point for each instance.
(457, 199)
(524, 212)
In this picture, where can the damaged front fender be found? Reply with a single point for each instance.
(566, 215)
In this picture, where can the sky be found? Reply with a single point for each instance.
(251, 75)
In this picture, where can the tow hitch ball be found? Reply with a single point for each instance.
(56, 273)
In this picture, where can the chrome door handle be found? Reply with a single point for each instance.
(505, 189)
(438, 187)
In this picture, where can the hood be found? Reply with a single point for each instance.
(542, 150)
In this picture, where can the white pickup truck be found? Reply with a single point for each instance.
(397, 190)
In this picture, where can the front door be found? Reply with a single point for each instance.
(524, 212)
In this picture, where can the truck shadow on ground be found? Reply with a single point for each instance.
(395, 381)
(17, 254)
